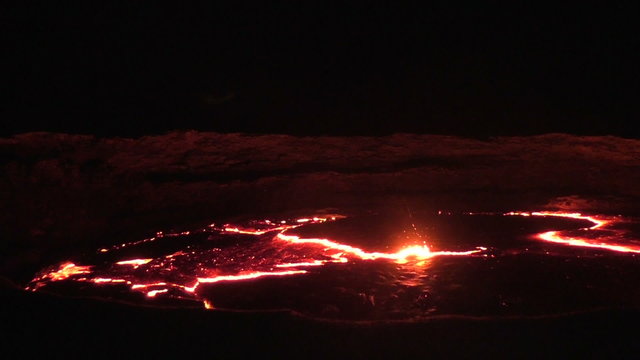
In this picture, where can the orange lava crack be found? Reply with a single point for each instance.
(333, 252)
(557, 237)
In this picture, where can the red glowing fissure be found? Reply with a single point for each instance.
(336, 253)
(329, 251)
(599, 223)
(316, 252)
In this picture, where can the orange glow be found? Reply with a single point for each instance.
(283, 227)
(144, 286)
(153, 293)
(247, 276)
(554, 236)
(300, 264)
(252, 275)
(402, 256)
(275, 252)
(67, 270)
(207, 304)
(329, 252)
(134, 262)
(598, 223)
(255, 232)
(108, 280)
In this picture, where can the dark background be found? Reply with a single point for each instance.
(311, 68)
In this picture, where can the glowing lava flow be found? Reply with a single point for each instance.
(183, 272)
(402, 256)
(248, 276)
(134, 262)
(339, 256)
(65, 271)
(192, 267)
(557, 237)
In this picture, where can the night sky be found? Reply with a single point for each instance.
(310, 68)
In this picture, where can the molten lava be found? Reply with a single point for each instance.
(599, 223)
(65, 271)
(402, 256)
(267, 249)
(314, 253)
(134, 262)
